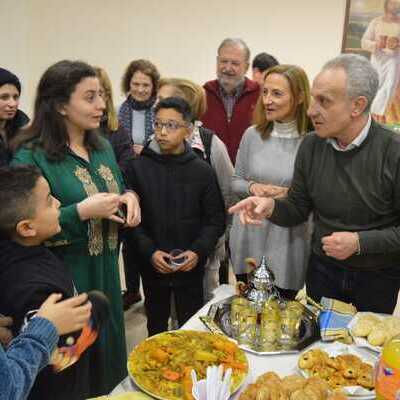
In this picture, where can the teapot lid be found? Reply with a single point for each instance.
(263, 272)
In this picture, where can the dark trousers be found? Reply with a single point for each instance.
(224, 264)
(374, 291)
(132, 277)
(188, 300)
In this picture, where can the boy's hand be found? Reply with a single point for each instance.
(160, 263)
(68, 315)
(191, 261)
(5, 333)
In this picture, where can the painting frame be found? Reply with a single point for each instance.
(370, 28)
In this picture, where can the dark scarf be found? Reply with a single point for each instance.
(125, 115)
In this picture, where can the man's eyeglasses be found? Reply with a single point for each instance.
(170, 126)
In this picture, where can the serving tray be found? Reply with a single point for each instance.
(218, 321)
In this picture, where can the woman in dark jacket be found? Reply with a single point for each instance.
(118, 137)
(11, 119)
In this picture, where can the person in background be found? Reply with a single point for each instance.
(31, 350)
(264, 167)
(347, 174)
(182, 209)
(231, 98)
(121, 141)
(83, 175)
(382, 40)
(211, 149)
(139, 84)
(261, 62)
(11, 118)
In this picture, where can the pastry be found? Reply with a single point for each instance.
(366, 376)
(312, 357)
(292, 383)
(378, 335)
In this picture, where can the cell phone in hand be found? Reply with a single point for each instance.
(122, 212)
(176, 260)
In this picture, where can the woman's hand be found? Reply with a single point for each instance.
(133, 213)
(100, 205)
(267, 190)
(191, 261)
(258, 189)
(68, 315)
(160, 263)
(277, 192)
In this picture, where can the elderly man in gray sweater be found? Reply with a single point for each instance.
(348, 174)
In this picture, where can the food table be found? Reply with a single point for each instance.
(281, 364)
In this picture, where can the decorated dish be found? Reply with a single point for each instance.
(342, 367)
(293, 387)
(161, 365)
(373, 330)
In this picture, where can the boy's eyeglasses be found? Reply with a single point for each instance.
(170, 126)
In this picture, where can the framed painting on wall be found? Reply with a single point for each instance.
(372, 29)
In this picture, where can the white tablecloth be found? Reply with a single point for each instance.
(281, 364)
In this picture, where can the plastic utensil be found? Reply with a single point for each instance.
(225, 390)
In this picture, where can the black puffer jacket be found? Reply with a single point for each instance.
(182, 208)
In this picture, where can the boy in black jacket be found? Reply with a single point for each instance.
(29, 273)
(182, 208)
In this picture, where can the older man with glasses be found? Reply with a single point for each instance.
(231, 98)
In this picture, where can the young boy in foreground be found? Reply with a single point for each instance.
(29, 273)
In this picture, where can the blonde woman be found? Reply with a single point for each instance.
(264, 167)
(118, 137)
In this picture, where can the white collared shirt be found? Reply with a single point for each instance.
(357, 141)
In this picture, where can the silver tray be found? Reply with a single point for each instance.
(217, 320)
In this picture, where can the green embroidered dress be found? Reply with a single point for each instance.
(89, 248)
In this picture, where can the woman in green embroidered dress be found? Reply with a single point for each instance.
(82, 172)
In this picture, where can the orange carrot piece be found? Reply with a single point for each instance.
(171, 375)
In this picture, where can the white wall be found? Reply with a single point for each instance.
(180, 37)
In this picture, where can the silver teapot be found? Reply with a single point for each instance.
(261, 285)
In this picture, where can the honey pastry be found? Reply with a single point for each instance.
(292, 383)
(366, 376)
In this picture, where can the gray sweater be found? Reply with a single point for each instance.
(269, 161)
(356, 191)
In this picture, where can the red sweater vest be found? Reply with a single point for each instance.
(215, 117)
